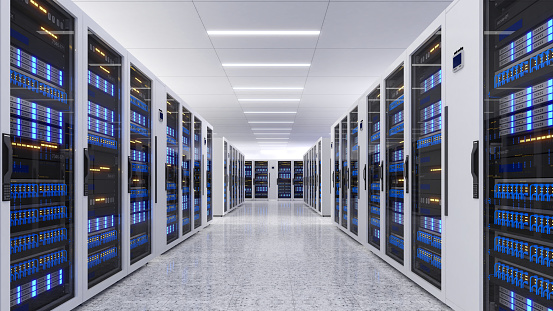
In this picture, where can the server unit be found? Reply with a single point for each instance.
(209, 172)
(319, 184)
(186, 165)
(38, 157)
(172, 169)
(139, 165)
(229, 181)
(261, 179)
(198, 174)
(284, 180)
(518, 121)
(298, 179)
(374, 172)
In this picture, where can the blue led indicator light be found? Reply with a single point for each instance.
(550, 89)
(528, 42)
(512, 300)
(48, 282)
(512, 51)
(33, 65)
(97, 82)
(33, 288)
(18, 294)
(61, 78)
(550, 30)
(18, 58)
(61, 276)
(48, 69)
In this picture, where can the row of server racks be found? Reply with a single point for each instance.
(316, 162)
(442, 167)
(274, 179)
(230, 165)
(103, 167)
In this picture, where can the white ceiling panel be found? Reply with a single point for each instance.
(198, 85)
(253, 42)
(181, 62)
(212, 101)
(267, 72)
(162, 25)
(321, 101)
(262, 15)
(338, 85)
(383, 24)
(352, 62)
(265, 55)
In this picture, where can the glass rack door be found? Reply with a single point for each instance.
(345, 170)
(185, 171)
(38, 172)
(518, 131)
(354, 171)
(426, 150)
(197, 173)
(209, 173)
(261, 179)
(298, 179)
(104, 161)
(375, 166)
(172, 169)
(140, 165)
(336, 156)
(248, 175)
(394, 165)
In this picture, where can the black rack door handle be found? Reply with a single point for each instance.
(7, 166)
(474, 169)
(382, 176)
(129, 174)
(86, 169)
(406, 174)
(365, 175)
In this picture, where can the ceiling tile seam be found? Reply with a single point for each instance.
(312, 57)
(218, 57)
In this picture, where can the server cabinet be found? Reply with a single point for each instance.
(226, 177)
(395, 168)
(518, 118)
(38, 156)
(354, 170)
(375, 166)
(426, 151)
(140, 168)
(344, 171)
(172, 169)
(198, 172)
(248, 179)
(103, 161)
(298, 179)
(186, 166)
(336, 173)
(284, 179)
(208, 177)
(261, 179)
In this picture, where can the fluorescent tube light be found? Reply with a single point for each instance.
(265, 65)
(263, 32)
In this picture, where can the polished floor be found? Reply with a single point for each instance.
(267, 256)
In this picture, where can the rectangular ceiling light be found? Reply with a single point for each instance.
(271, 133)
(262, 112)
(268, 88)
(265, 65)
(279, 138)
(271, 129)
(269, 99)
(272, 122)
(263, 32)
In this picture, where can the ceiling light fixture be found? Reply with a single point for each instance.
(271, 133)
(265, 65)
(262, 112)
(271, 122)
(269, 99)
(268, 88)
(272, 138)
(271, 129)
(263, 32)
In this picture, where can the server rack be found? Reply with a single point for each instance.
(185, 171)
(248, 180)
(226, 177)
(336, 173)
(198, 167)
(298, 179)
(354, 170)
(261, 180)
(518, 101)
(103, 161)
(140, 168)
(318, 176)
(172, 169)
(228, 199)
(345, 171)
(284, 180)
(395, 166)
(38, 155)
(426, 151)
(209, 172)
(375, 166)
(319, 181)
